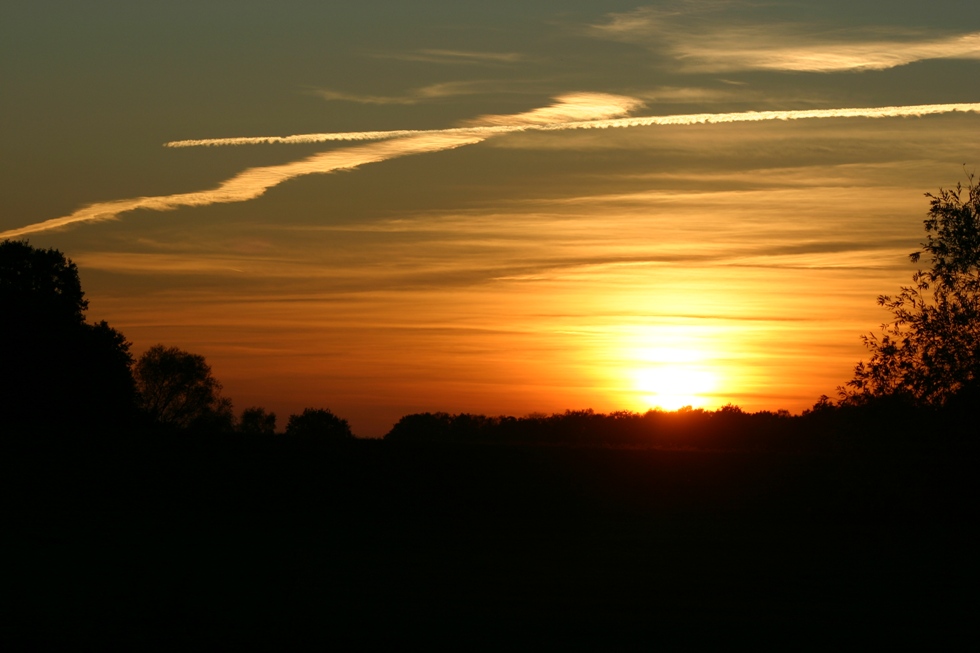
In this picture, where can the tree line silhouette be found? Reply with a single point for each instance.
(924, 369)
(60, 372)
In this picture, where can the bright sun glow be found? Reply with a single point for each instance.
(673, 386)
(672, 378)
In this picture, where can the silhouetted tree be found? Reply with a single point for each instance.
(176, 388)
(56, 368)
(318, 423)
(255, 421)
(40, 284)
(421, 427)
(930, 352)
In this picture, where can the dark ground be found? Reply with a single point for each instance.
(265, 543)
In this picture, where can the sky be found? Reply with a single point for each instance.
(384, 208)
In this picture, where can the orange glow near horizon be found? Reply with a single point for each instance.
(595, 342)
(625, 300)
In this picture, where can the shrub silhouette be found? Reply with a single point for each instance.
(56, 367)
(318, 423)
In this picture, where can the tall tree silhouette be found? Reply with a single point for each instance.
(177, 389)
(56, 367)
(930, 352)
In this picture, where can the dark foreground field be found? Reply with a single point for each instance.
(276, 543)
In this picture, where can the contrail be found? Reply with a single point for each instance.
(337, 136)
(253, 182)
(913, 111)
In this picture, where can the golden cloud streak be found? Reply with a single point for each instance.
(880, 55)
(701, 43)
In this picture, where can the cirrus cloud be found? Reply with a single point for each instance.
(703, 39)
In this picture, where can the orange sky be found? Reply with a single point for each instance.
(493, 268)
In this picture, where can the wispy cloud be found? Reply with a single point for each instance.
(572, 107)
(570, 112)
(706, 40)
(414, 96)
(679, 94)
(776, 54)
(457, 57)
(427, 93)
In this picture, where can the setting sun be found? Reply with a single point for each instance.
(669, 366)
(673, 386)
(673, 378)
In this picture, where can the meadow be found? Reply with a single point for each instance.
(257, 541)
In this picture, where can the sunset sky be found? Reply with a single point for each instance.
(390, 207)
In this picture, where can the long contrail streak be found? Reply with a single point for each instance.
(253, 182)
(913, 111)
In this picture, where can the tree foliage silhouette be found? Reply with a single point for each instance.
(930, 352)
(56, 367)
(256, 421)
(176, 388)
(318, 423)
(40, 284)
